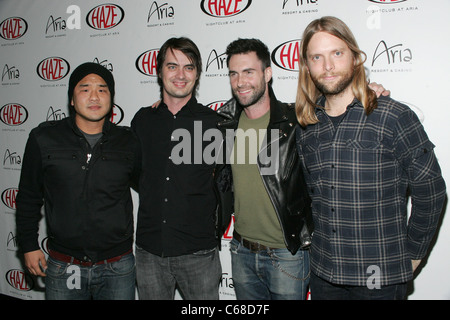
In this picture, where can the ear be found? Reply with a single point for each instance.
(268, 74)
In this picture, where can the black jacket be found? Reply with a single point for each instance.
(88, 204)
(285, 187)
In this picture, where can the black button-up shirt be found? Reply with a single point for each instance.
(177, 202)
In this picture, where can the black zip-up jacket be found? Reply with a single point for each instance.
(85, 192)
(286, 187)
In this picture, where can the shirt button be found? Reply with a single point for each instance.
(165, 199)
(167, 178)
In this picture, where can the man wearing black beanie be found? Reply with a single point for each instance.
(81, 169)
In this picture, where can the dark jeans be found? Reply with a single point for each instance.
(197, 275)
(109, 281)
(324, 290)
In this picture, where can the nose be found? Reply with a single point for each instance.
(329, 65)
(239, 81)
(94, 96)
(180, 73)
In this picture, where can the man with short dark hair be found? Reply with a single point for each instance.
(271, 204)
(176, 238)
(81, 168)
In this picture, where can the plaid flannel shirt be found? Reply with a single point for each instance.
(358, 176)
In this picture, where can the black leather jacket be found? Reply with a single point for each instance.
(88, 204)
(286, 187)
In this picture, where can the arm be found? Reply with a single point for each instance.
(29, 203)
(427, 187)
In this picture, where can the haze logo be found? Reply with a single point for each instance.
(13, 28)
(117, 114)
(387, 1)
(9, 197)
(224, 8)
(392, 54)
(53, 69)
(10, 73)
(13, 114)
(216, 104)
(11, 158)
(287, 55)
(146, 62)
(163, 11)
(19, 280)
(228, 234)
(105, 16)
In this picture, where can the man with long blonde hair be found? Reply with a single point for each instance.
(361, 154)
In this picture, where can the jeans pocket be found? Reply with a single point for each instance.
(124, 266)
(234, 246)
(205, 252)
(56, 268)
(294, 266)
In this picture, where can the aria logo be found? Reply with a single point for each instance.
(224, 8)
(9, 197)
(146, 62)
(105, 16)
(13, 114)
(287, 55)
(13, 28)
(53, 68)
(387, 1)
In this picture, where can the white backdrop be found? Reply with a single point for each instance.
(42, 41)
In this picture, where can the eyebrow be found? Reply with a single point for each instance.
(88, 84)
(177, 64)
(245, 70)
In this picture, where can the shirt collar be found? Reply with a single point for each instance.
(320, 103)
(191, 106)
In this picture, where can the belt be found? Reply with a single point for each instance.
(252, 246)
(85, 263)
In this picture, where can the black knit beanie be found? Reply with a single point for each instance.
(87, 68)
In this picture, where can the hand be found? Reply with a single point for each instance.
(415, 264)
(35, 262)
(156, 104)
(379, 89)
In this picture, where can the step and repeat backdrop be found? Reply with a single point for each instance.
(42, 42)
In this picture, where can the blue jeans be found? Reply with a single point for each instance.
(324, 290)
(269, 275)
(196, 275)
(109, 281)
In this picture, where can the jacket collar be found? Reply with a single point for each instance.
(106, 126)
